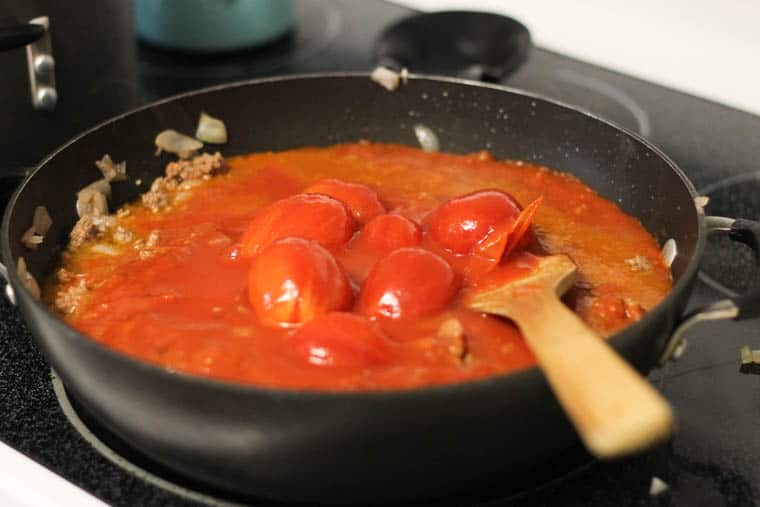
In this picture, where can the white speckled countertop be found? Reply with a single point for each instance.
(28, 484)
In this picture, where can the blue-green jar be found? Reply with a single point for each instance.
(211, 26)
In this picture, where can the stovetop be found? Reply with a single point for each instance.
(714, 458)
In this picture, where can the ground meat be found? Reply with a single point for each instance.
(200, 167)
(633, 310)
(157, 197)
(64, 275)
(196, 167)
(451, 335)
(639, 263)
(94, 222)
(146, 247)
(152, 240)
(89, 227)
(122, 235)
(67, 300)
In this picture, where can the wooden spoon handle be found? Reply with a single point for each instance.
(613, 408)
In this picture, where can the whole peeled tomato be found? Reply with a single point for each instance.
(312, 216)
(389, 232)
(294, 280)
(461, 223)
(408, 283)
(341, 340)
(360, 199)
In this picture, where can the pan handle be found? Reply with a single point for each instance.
(745, 306)
(9, 180)
(16, 36)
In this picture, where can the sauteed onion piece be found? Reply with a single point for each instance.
(669, 251)
(386, 78)
(35, 234)
(27, 279)
(93, 199)
(174, 142)
(111, 170)
(211, 130)
(427, 138)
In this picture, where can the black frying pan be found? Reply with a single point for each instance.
(363, 447)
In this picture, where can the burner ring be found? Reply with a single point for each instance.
(570, 464)
(735, 196)
(644, 125)
(114, 457)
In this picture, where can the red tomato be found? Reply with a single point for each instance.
(505, 239)
(361, 200)
(293, 280)
(310, 216)
(461, 223)
(342, 340)
(407, 283)
(389, 232)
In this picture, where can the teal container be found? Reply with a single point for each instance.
(212, 26)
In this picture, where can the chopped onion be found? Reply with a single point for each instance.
(426, 137)
(93, 199)
(669, 252)
(679, 350)
(701, 201)
(658, 486)
(179, 144)
(41, 223)
(211, 130)
(386, 78)
(111, 170)
(27, 279)
(102, 186)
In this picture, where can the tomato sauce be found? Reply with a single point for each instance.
(377, 251)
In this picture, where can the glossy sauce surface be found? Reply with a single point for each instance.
(188, 305)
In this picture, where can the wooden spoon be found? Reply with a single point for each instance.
(614, 410)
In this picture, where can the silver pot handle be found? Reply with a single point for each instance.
(742, 307)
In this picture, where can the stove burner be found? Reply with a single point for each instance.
(604, 89)
(570, 464)
(120, 454)
(728, 266)
(561, 81)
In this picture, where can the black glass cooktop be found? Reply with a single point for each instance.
(102, 71)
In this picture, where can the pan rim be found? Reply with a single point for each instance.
(531, 373)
